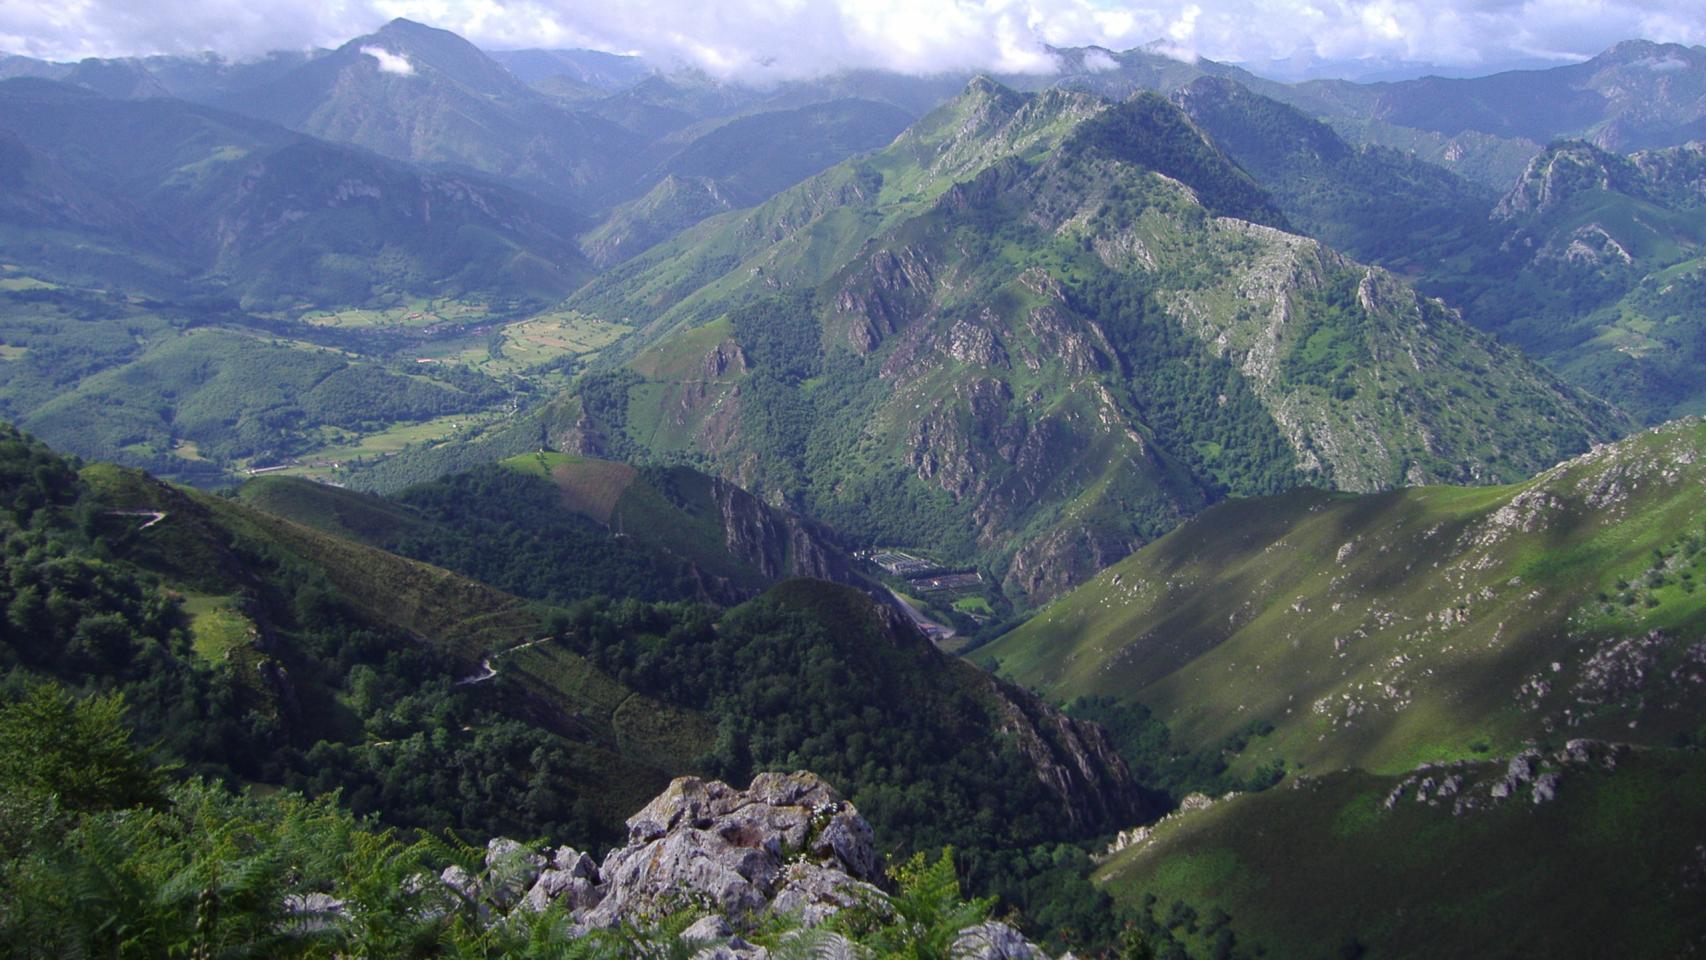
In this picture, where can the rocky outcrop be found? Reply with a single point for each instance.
(1141, 835)
(1052, 565)
(788, 844)
(1562, 172)
(894, 288)
(994, 941)
(1467, 786)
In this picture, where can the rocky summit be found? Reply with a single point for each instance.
(787, 847)
(788, 844)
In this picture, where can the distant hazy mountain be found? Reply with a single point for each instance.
(593, 69)
(1600, 268)
(1305, 66)
(191, 194)
(1375, 203)
(427, 96)
(1592, 261)
(208, 78)
(741, 163)
(1637, 94)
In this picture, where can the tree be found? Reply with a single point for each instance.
(53, 744)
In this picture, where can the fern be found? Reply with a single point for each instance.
(818, 943)
(929, 911)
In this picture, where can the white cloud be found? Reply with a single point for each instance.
(390, 62)
(1097, 61)
(786, 38)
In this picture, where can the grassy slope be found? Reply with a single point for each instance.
(344, 513)
(1602, 871)
(1387, 630)
(682, 520)
(625, 743)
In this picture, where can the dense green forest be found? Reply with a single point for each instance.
(329, 701)
(80, 615)
(102, 852)
(509, 529)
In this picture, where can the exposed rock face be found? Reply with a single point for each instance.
(1052, 565)
(788, 843)
(1075, 760)
(1467, 786)
(572, 878)
(894, 290)
(778, 543)
(1138, 836)
(1560, 173)
(994, 941)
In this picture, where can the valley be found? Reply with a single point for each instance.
(1099, 502)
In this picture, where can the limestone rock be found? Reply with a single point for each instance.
(708, 928)
(511, 870)
(813, 893)
(313, 912)
(577, 892)
(1546, 787)
(994, 941)
(735, 949)
(730, 849)
(460, 881)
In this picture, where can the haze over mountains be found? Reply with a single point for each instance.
(1317, 453)
(496, 215)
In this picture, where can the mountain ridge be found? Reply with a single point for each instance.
(1422, 625)
(875, 251)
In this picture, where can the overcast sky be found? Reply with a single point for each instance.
(793, 37)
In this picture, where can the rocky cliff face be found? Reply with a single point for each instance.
(1557, 210)
(1562, 172)
(778, 543)
(1403, 346)
(1074, 759)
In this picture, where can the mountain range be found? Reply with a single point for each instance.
(1238, 518)
(1103, 316)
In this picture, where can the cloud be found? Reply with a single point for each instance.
(1097, 61)
(390, 62)
(788, 38)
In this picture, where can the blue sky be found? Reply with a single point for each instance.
(794, 37)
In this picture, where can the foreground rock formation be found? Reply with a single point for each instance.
(788, 846)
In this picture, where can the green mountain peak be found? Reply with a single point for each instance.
(1038, 330)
